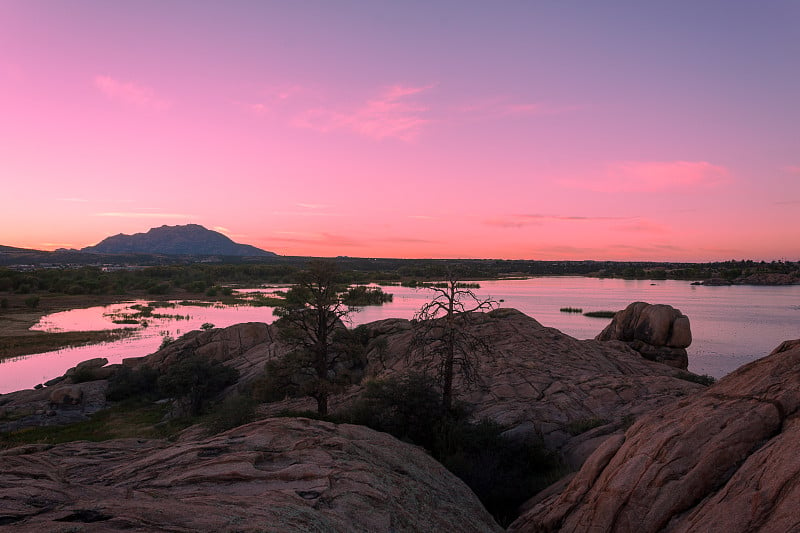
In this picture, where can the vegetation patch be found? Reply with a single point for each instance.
(133, 418)
(503, 472)
(703, 379)
(361, 295)
(17, 345)
(600, 314)
(571, 310)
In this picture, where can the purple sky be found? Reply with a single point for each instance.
(539, 130)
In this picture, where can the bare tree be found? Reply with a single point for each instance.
(309, 321)
(443, 336)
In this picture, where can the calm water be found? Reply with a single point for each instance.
(731, 326)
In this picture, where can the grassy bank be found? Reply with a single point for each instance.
(39, 342)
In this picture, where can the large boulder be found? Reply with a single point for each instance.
(90, 370)
(538, 381)
(245, 346)
(722, 460)
(66, 395)
(658, 332)
(283, 474)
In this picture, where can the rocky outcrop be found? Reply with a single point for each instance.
(658, 332)
(51, 406)
(722, 460)
(275, 475)
(537, 380)
(245, 346)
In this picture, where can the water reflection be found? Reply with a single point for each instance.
(731, 325)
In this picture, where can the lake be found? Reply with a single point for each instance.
(731, 325)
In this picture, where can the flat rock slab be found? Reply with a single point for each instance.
(282, 474)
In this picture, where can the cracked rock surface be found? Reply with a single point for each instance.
(722, 460)
(274, 475)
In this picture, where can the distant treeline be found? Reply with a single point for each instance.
(200, 277)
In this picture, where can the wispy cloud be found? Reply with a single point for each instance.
(392, 114)
(500, 107)
(266, 100)
(312, 206)
(317, 239)
(134, 214)
(653, 176)
(642, 226)
(518, 221)
(129, 93)
(220, 229)
(792, 169)
(423, 217)
(81, 200)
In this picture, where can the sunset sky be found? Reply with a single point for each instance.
(533, 129)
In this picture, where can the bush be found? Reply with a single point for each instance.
(196, 380)
(234, 411)
(408, 407)
(704, 379)
(161, 288)
(503, 472)
(32, 302)
(126, 383)
(4, 303)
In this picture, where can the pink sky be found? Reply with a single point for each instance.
(537, 130)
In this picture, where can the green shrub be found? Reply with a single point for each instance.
(196, 380)
(571, 310)
(127, 383)
(502, 471)
(4, 303)
(32, 302)
(236, 410)
(703, 379)
(408, 407)
(161, 288)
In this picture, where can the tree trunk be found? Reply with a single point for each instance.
(322, 404)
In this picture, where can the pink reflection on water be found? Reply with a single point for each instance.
(26, 371)
(731, 326)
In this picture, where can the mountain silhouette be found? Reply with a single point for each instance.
(190, 239)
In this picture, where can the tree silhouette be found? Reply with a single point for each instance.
(310, 320)
(443, 336)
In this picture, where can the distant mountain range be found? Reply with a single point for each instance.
(190, 239)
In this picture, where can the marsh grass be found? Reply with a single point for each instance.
(17, 345)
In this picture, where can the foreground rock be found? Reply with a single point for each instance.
(658, 332)
(274, 475)
(723, 460)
